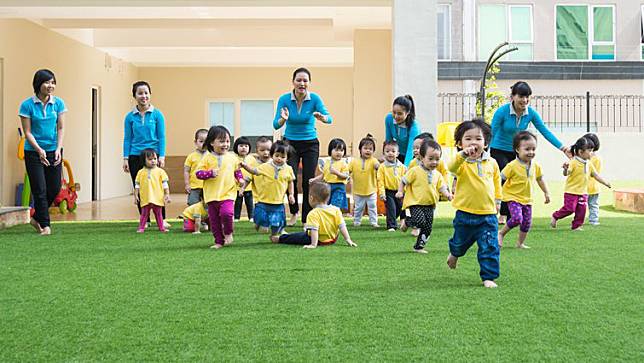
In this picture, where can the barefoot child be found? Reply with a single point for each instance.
(477, 200)
(241, 147)
(593, 187)
(193, 217)
(422, 185)
(323, 223)
(578, 172)
(520, 175)
(272, 179)
(335, 172)
(218, 170)
(363, 175)
(193, 185)
(390, 174)
(151, 190)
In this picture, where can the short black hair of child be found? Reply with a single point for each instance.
(389, 143)
(320, 191)
(147, 153)
(522, 136)
(429, 143)
(594, 139)
(242, 140)
(424, 135)
(262, 139)
(338, 144)
(476, 123)
(138, 84)
(200, 131)
(583, 143)
(367, 140)
(281, 147)
(41, 76)
(216, 133)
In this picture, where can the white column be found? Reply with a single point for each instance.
(414, 57)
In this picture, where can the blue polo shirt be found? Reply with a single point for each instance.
(144, 133)
(505, 126)
(404, 136)
(44, 121)
(301, 122)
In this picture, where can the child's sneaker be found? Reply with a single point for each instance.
(594, 223)
(140, 230)
(490, 284)
(375, 225)
(391, 230)
(577, 229)
(216, 246)
(356, 224)
(421, 251)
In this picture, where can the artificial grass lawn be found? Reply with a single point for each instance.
(99, 291)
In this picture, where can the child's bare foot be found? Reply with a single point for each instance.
(500, 240)
(265, 229)
(553, 222)
(291, 222)
(216, 246)
(523, 246)
(490, 284)
(403, 226)
(166, 225)
(415, 232)
(140, 230)
(228, 240)
(46, 231)
(36, 225)
(578, 229)
(422, 251)
(275, 239)
(502, 219)
(196, 232)
(164, 230)
(452, 261)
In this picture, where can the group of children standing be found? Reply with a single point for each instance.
(217, 183)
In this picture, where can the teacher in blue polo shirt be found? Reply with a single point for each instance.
(508, 120)
(144, 128)
(42, 117)
(401, 126)
(299, 110)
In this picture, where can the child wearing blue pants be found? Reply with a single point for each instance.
(477, 200)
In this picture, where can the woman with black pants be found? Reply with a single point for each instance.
(299, 110)
(42, 118)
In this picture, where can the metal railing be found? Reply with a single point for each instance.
(598, 113)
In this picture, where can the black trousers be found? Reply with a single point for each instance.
(394, 208)
(423, 218)
(502, 158)
(135, 164)
(299, 238)
(248, 199)
(308, 151)
(45, 183)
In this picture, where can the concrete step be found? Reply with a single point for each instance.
(12, 216)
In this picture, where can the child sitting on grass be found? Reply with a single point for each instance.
(519, 175)
(193, 217)
(477, 199)
(323, 224)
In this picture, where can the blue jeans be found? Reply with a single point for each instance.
(593, 208)
(483, 229)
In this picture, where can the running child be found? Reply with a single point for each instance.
(151, 190)
(593, 187)
(241, 147)
(193, 185)
(389, 176)
(363, 175)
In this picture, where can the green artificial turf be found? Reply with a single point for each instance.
(99, 291)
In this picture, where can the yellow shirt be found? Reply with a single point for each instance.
(246, 175)
(519, 181)
(327, 220)
(192, 160)
(194, 211)
(593, 185)
(150, 183)
(224, 185)
(579, 173)
(253, 161)
(363, 173)
(339, 165)
(272, 182)
(422, 186)
(441, 168)
(478, 184)
(389, 175)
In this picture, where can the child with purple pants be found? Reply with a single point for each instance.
(520, 175)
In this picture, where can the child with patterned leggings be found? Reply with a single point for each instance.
(520, 175)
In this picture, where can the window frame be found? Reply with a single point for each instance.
(642, 32)
(508, 29)
(207, 123)
(449, 32)
(591, 33)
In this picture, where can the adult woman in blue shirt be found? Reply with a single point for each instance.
(402, 127)
(508, 120)
(299, 110)
(144, 127)
(42, 117)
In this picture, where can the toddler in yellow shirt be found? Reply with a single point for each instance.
(390, 173)
(477, 199)
(520, 175)
(193, 185)
(241, 147)
(421, 187)
(593, 187)
(151, 190)
(335, 172)
(365, 186)
(578, 173)
(193, 216)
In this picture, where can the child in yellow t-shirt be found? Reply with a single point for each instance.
(519, 175)
(193, 216)
(219, 171)
(421, 187)
(241, 147)
(390, 173)
(273, 179)
(365, 186)
(593, 187)
(477, 199)
(578, 172)
(323, 224)
(151, 190)
(194, 186)
(335, 172)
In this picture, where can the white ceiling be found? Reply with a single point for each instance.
(212, 33)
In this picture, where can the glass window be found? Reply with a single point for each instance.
(256, 117)
(223, 113)
(521, 32)
(444, 30)
(572, 32)
(492, 28)
(500, 23)
(603, 33)
(642, 31)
